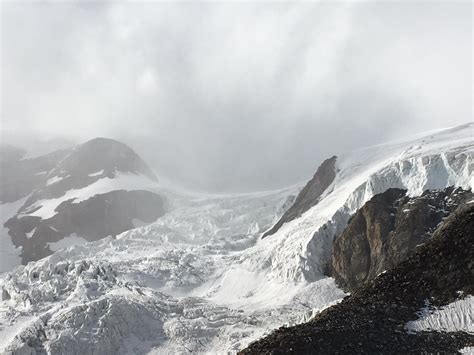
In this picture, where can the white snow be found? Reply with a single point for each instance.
(66, 242)
(200, 279)
(97, 173)
(53, 180)
(46, 208)
(456, 316)
(163, 287)
(30, 234)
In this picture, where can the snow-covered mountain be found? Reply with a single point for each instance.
(96, 189)
(201, 278)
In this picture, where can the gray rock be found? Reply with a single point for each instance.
(388, 229)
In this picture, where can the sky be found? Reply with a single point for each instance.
(234, 96)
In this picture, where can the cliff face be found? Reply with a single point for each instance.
(309, 196)
(388, 229)
(375, 318)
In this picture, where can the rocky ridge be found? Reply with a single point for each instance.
(309, 196)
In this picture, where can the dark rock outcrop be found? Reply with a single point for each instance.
(388, 229)
(372, 320)
(97, 217)
(309, 195)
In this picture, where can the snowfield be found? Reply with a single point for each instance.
(200, 278)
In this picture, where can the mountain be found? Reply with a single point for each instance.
(96, 189)
(420, 306)
(201, 278)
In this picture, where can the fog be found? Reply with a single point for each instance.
(234, 96)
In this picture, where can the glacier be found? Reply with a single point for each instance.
(201, 278)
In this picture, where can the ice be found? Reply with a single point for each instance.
(200, 279)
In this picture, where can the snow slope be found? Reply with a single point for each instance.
(200, 278)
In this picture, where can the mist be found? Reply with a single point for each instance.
(234, 96)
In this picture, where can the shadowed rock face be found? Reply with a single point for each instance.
(100, 216)
(310, 195)
(372, 320)
(388, 229)
(93, 217)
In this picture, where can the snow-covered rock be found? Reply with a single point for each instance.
(91, 191)
(301, 248)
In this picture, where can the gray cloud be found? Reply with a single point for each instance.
(236, 96)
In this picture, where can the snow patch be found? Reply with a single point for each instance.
(54, 180)
(97, 173)
(456, 316)
(47, 208)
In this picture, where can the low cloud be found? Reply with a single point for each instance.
(235, 96)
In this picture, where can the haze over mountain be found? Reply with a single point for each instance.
(228, 97)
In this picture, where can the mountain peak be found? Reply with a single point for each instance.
(103, 154)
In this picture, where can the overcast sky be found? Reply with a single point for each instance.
(235, 96)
